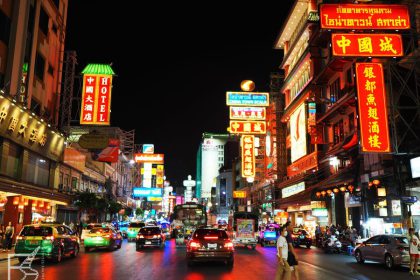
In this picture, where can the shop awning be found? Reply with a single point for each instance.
(303, 198)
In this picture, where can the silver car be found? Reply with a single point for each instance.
(390, 249)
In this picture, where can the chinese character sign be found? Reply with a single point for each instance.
(359, 16)
(248, 156)
(372, 107)
(344, 44)
(247, 113)
(248, 127)
(96, 99)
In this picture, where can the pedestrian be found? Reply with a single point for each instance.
(8, 237)
(283, 268)
(414, 252)
(292, 258)
(2, 229)
(71, 226)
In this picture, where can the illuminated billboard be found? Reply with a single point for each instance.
(149, 158)
(298, 133)
(344, 44)
(210, 164)
(96, 95)
(247, 98)
(148, 149)
(247, 113)
(360, 16)
(147, 192)
(248, 127)
(373, 115)
(239, 194)
(248, 156)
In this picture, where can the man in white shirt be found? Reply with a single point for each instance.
(283, 269)
(414, 252)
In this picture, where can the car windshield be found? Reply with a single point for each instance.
(92, 226)
(402, 240)
(203, 233)
(150, 230)
(137, 225)
(100, 230)
(36, 231)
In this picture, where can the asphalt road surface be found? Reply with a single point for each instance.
(169, 263)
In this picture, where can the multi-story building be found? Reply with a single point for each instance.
(31, 54)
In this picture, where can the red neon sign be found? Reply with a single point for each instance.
(96, 99)
(247, 113)
(372, 108)
(344, 44)
(248, 156)
(369, 16)
(248, 127)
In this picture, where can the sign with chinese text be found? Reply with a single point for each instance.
(248, 127)
(298, 133)
(247, 113)
(96, 99)
(147, 192)
(239, 194)
(344, 44)
(359, 16)
(248, 156)
(372, 108)
(21, 127)
(293, 189)
(149, 158)
(247, 98)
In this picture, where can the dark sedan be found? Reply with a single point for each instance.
(209, 244)
(150, 236)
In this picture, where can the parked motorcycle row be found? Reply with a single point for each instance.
(335, 243)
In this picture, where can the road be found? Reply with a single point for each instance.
(169, 263)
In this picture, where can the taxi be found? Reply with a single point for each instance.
(133, 230)
(105, 237)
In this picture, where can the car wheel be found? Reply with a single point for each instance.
(75, 251)
(111, 246)
(389, 261)
(59, 256)
(358, 256)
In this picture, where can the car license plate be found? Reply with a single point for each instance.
(34, 242)
(148, 242)
(212, 246)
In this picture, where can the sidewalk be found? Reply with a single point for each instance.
(4, 255)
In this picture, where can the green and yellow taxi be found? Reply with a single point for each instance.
(133, 230)
(105, 237)
(55, 241)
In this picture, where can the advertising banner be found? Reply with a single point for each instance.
(239, 194)
(247, 99)
(248, 156)
(245, 228)
(248, 127)
(373, 115)
(298, 133)
(147, 192)
(387, 45)
(364, 16)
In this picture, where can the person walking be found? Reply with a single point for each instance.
(283, 268)
(8, 237)
(414, 252)
(292, 258)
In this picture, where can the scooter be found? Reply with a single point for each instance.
(332, 245)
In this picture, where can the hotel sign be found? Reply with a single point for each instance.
(248, 156)
(372, 108)
(364, 16)
(292, 190)
(247, 113)
(24, 129)
(247, 98)
(369, 45)
(248, 127)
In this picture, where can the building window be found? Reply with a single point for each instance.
(39, 66)
(43, 21)
(338, 130)
(38, 170)
(4, 28)
(351, 122)
(13, 161)
(335, 91)
(74, 184)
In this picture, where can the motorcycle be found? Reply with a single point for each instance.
(332, 244)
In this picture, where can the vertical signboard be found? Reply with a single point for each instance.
(298, 133)
(248, 156)
(88, 99)
(372, 108)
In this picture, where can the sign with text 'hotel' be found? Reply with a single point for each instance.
(364, 16)
(345, 44)
(96, 95)
(373, 115)
(247, 98)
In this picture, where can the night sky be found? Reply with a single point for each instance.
(176, 64)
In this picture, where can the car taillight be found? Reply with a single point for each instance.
(50, 237)
(194, 244)
(20, 238)
(140, 236)
(155, 236)
(229, 245)
(211, 237)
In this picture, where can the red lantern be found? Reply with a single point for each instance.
(376, 182)
(351, 188)
(336, 190)
(343, 189)
(323, 193)
(329, 192)
(318, 194)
